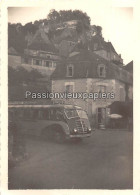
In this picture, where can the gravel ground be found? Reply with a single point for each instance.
(103, 161)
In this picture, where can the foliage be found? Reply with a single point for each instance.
(67, 15)
(20, 81)
(98, 30)
(21, 75)
(17, 33)
(83, 19)
(30, 27)
(16, 37)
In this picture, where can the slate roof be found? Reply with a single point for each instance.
(85, 66)
(101, 44)
(129, 67)
(40, 45)
(41, 42)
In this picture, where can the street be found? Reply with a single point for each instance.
(103, 161)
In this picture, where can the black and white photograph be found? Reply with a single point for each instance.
(70, 96)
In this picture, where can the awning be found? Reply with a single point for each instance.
(124, 109)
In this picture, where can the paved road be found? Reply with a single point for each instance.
(103, 161)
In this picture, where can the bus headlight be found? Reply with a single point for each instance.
(75, 130)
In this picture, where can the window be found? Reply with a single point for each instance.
(54, 64)
(71, 113)
(35, 114)
(70, 70)
(37, 62)
(50, 64)
(34, 53)
(56, 114)
(26, 114)
(20, 113)
(99, 115)
(30, 61)
(102, 89)
(101, 70)
(46, 114)
(59, 115)
(69, 88)
(26, 60)
(43, 55)
(47, 63)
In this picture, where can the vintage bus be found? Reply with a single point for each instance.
(57, 122)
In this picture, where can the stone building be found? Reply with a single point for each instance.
(85, 71)
(104, 49)
(41, 53)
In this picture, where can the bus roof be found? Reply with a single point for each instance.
(44, 106)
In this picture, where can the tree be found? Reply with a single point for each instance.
(67, 15)
(21, 75)
(30, 27)
(16, 37)
(54, 16)
(79, 27)
(98, 30)
(20, 80)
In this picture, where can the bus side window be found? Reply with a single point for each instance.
(43, 114)
(57, 114)
(32, 113)
(46, 114)
(35, 114)
(20, 113)
(40, 114)
(16, 113)
(11, 115)
(52, 114)
(26, 115)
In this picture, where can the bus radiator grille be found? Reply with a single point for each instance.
(80, 125)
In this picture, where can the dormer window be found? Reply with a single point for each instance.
(70, 70)
(102, 89)
(101, 70)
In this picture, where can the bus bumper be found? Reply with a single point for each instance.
(79, 135)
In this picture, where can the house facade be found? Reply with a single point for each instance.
(43, 61)
(41, 53)
(87, 72)
(104, 49)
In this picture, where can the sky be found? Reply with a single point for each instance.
(116, 22)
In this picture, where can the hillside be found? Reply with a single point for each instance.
(63, 25)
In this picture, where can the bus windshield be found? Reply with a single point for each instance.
(82, 114)
(73, 113)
